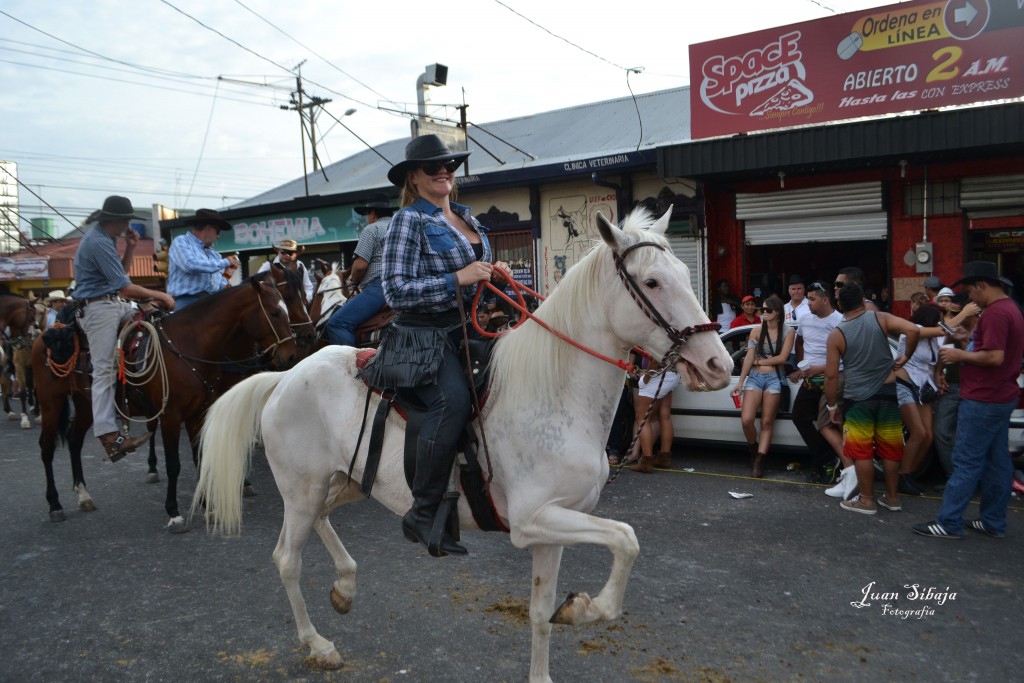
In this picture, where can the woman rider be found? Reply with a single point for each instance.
(432, 247)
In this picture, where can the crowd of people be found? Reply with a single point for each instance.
(955, 369)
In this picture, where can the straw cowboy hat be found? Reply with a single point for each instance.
(204, 217)
(380, 204)
(419, 150)
(116, 208)
(982, 270)
(55, 295)
(288, 245)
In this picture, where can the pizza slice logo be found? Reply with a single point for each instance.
(794, 94)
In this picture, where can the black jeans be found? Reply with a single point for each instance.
(805, 418)
(446, 398)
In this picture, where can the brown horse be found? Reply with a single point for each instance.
(237, 326)
(290, 286)
(17, 316)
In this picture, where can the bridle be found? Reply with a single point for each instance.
(678, 337)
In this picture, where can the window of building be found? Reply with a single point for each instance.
(943, 198)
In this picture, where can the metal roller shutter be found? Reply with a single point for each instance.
(992, 193)
(690, 250)
(822, 214)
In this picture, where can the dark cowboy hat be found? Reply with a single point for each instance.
(380, 204)
(206, 217)
(423, 148)
(116, 208)
(796, 280)
(982, 270)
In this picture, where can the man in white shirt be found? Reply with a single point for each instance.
(288, 256)
(796, 308)
(810, 416)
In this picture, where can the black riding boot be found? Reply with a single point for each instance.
(433, 469)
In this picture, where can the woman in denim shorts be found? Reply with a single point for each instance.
(761, 379)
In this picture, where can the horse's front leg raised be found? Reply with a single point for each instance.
(558, 526)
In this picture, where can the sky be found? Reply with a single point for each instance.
(178, 102)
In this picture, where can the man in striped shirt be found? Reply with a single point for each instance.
(196, 269)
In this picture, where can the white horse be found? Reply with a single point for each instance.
(329, 295)
(546, 422)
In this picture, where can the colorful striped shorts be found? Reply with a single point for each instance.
(873, 424)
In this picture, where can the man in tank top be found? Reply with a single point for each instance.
(872, 416)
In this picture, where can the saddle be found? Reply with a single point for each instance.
(471, 474)
(369, 333)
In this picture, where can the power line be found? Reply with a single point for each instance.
(97, 54)
(555, 35)
(202, 148)
(301, 44)
(121, 80)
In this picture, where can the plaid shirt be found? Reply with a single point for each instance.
(371, 242)
(422, 252)
(194, 267)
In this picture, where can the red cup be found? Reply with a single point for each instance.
(737, 401)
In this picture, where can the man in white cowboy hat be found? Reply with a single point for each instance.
(102, 280)
(988, 395)
(365, 272)
(195, 269)
(54, 301)
(288, 256)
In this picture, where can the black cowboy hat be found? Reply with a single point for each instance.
(419, 150)
(380, 204)
(796, 280)
(116, 208)
(982, 270)
(206, 217)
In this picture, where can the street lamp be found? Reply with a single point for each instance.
(435, 74)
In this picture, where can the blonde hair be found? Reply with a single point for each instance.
(408, 194)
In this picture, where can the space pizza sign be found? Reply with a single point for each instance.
(915, 55)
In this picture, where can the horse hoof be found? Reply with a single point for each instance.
(566, 612)
(57, 516)
(177, 525)
(13, 416)
(152, 478)
(341, 604)
(249, 491)
(326, 662)
(87, 506)
(25, 424)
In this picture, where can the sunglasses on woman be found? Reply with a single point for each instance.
(434, 167)
(765, 309)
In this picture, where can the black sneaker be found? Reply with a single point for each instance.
(908, 486)
(979, 527)
(935, 530)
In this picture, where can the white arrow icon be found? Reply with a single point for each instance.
(965, 15)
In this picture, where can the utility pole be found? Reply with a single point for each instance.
(307, 116)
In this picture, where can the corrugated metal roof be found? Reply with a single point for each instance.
(996, 130)
(580, 132)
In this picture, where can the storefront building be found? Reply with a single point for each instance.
(903, 195)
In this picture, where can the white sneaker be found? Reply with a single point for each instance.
(846, 486)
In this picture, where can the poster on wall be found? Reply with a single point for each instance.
(572, 229)
(914, 55)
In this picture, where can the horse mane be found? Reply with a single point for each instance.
(529, 359)
(293, 281)
(203, 305)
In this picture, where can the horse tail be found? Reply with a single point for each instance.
(231, 431)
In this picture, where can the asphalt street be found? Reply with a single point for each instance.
(779, 586)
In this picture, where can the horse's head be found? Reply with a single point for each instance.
(289, 284)
(328, 296)
(266, 321)
(650, 303)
